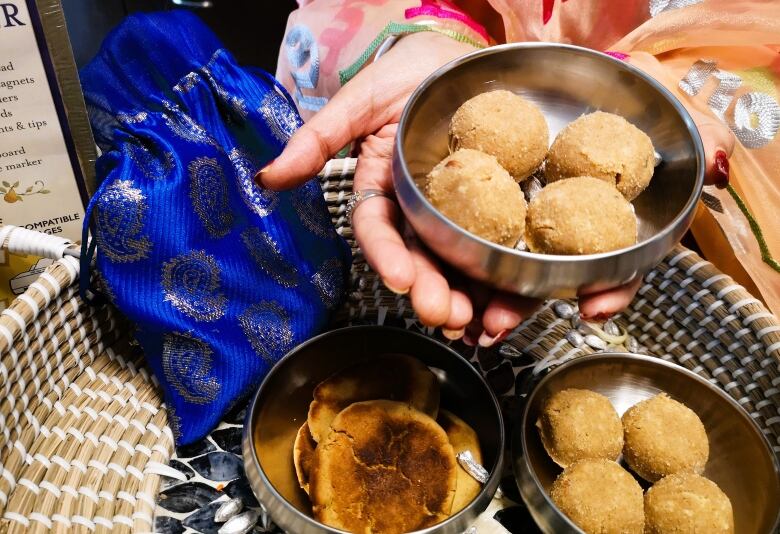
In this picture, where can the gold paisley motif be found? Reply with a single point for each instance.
(266, 253)
(279, 115)
(191, 283)
(187, 363)
(174, 421)
(136, 118)
(329, 281)
(187, 83)
(209, 196)
(261, 201)
(238, 105)
(120, 216)
(312, 211)
(149, 164)
(267, 327)
(184, 127)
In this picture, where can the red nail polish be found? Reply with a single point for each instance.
(721, 170)
(599, 317)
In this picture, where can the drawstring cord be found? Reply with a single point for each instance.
(88, 246)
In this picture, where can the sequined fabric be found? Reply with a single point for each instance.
(220, 276)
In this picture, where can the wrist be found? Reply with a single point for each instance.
(434, 42)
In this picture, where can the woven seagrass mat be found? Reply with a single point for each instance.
(84, 443)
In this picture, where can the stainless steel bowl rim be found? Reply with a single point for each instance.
(249, 417)
(556, 258)
(640, 357)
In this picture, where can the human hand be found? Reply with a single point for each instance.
(717, 138)
(368, 109)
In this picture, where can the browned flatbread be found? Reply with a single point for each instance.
(385, 468)
(392, 377)
(303, 455)
(462, 438)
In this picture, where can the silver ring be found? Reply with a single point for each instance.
(361, 196)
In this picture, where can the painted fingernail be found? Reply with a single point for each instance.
(395, 290)
(618, 55)
(259, 175)
(487, 341)
(469, 341)
(453, 334)
(721, 170)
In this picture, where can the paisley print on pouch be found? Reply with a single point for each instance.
(187, 363)
(120, 216)
(329, 281)
(187, 83)
(152, 166)
(238, 105)
(268, 328)
(312, 211)
(280, 116)
(191, 283)
(184, 127)
(209, 196)
(265, 251)
(135, 118)
(261, 201)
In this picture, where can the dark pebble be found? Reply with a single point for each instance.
(523, 360)
(181, 467)
(228, 439)
(195, 449)
(203, 519)
(164, 524)
(524, 381)
(501, 379)
(516, 519)
(187, 496)
(237, 415)
(489, 359)
(218, 466)
(240, 488)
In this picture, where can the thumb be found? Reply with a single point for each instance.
(348, 116)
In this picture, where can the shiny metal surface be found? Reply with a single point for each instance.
(741, 460)
(565, 82)
(281, 404)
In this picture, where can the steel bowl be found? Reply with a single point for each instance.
(741, 460)
(281, 405)
(565, 82)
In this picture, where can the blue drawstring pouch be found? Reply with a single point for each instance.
(220, 276)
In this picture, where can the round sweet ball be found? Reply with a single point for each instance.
(687, 503)
(662, 437)
(605, 146)
(600, 497)
(581, 215)
(577, 424)
(472, 190)
(504, 125)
